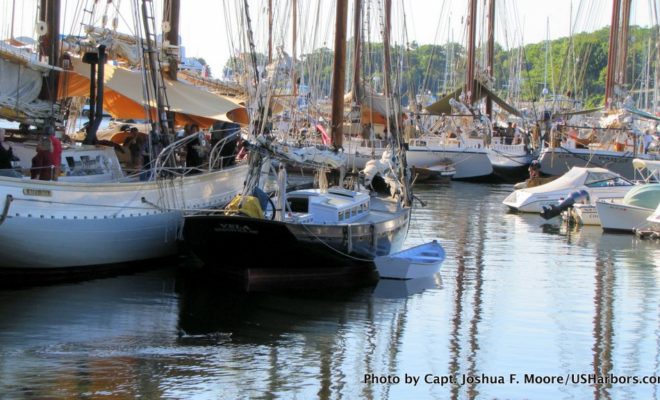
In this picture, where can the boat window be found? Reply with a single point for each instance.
(70, 161)
(602, 179)
(353, 211)
(299, 204)
(340, 216)
(347, 214)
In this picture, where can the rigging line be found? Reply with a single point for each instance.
(332, 248)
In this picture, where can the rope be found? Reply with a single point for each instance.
(333, 249)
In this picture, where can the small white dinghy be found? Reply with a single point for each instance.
(416, 262)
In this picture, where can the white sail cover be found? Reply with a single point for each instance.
(20, 84)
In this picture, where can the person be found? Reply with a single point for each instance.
(534, 169)
(56, 146)
(6, 154)
(647, 140)
(509, 133)
(42, 164)
(193, 158)
(134, 143)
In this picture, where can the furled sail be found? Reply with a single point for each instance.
(20, 84)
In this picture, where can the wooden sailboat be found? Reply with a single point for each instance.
(49, 226)
(617, 145)
(328, 234)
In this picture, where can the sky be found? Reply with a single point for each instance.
(212, 28)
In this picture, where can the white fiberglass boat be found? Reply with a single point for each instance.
(598, 183)
(416, 262)
(631, 211)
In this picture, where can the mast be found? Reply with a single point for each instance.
(171, 12)
(547, 49)
(294, 36)
(270, 31)
(13, 15)
(49, 12)
(338, 73)
(469, 69)
(622, 57)
(491, 52)
(387, 61)
(357, 44)
(611, 56)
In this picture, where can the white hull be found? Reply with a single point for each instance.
(504, 156)
(615, 215)
(418, 262)
(469, 162)
(558, 161)
(586, 214)
(61, 224)
(605, 185)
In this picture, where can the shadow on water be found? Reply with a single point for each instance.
(141, 335)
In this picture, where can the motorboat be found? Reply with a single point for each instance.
(597, 182)
(416, 262)
(652, 228)
(631, 211)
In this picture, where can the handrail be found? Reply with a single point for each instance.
(213, 158)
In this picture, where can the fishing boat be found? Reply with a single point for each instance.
(416, 262)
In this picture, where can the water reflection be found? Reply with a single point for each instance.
(515, 295)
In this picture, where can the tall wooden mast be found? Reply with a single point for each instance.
(357, 43)
(622, 57)
(491, 52)
(611, 56)
(387, 58)
(270, 31)
(469, 69)
(49, 12)
(294, 36)
(338, 73)
(171, 11)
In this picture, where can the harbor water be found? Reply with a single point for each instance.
(521, 308)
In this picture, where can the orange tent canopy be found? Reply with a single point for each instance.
(123, 97)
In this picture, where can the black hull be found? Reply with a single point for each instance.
(260, 251)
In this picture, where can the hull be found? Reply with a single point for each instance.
(64, 225)
(615, 216)
(469, 162)
(274, 250)
(559, 161)
(505, 157)
(586, 214)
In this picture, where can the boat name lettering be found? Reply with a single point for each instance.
(37, 192)
(235, 228)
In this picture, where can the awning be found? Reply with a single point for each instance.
(123, 96)
(580, 112)
(442, 106)
(373, 107)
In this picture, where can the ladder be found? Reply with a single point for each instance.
(153, 73)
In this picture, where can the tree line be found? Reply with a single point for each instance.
(575, 65)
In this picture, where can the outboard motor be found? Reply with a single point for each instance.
(554, 210)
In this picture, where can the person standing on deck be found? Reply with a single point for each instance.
(647, 140)
(56, 146)
(42, 163)
(6, 154)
